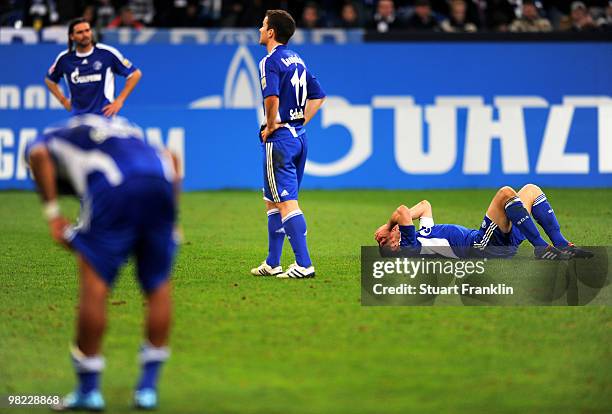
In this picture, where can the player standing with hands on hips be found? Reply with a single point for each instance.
(292, 96)
(88, 69)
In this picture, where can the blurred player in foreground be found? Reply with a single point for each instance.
(507, 223)
(129, 192)
(88, 69)
(292, 96)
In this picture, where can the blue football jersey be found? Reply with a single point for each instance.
(90, 76)
(94, 153)
(449, 240)
(460, 239)
(455, 241)
(283, 73)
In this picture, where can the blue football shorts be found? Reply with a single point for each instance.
(494, 242)
(283, 168)
(136, 218)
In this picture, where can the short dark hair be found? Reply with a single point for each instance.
(71, 25)
(282, 23)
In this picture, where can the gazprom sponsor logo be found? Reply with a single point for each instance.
(76, 78)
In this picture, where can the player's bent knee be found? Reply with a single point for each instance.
(506, 193)
(532, 188)
(270, 206)
(286, 207)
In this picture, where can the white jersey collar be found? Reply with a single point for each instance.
(274, 50)
(87, 53)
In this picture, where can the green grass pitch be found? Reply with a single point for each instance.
(259, 345)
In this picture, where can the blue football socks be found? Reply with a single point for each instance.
(88, 369)
(519, 216)
(545, 216)
(295, 228)
(151, 360)
(276, 237)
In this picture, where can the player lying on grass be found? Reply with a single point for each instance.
(128, 191)
(507, 223)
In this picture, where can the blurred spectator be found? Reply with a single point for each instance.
(143, 10)
(125, 19)
(70, 9)
(192, 16)
(581, 19)
(423, 18)
(10, 13)
(184, 13)
(385, 19)
(605, 20)
(311, 18)
(349, 17)
(40, 13)
(172, 15)
(499, 14)
(211, 12)
(89, 14)
(456, 16)
(530, 20)
(244, 13)
(232, 12)
(557, 12)
(105, 12)
(457, 21)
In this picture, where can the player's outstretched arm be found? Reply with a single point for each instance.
(44, 175)
(57, 92)
(114, 107)
(312, 107)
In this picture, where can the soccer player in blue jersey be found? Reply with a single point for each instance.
(292, 96)
(88, 69)
(129, 192)
(507, 223)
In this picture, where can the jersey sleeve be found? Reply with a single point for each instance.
(426, 222)
(313, 87)
(120, 65)
(407, 236)
(56, 70)
(270, 79)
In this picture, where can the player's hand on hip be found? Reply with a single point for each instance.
(58, 226)
(267, 131)
(112, 108)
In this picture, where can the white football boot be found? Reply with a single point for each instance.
(265, 269)
(297, 272)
